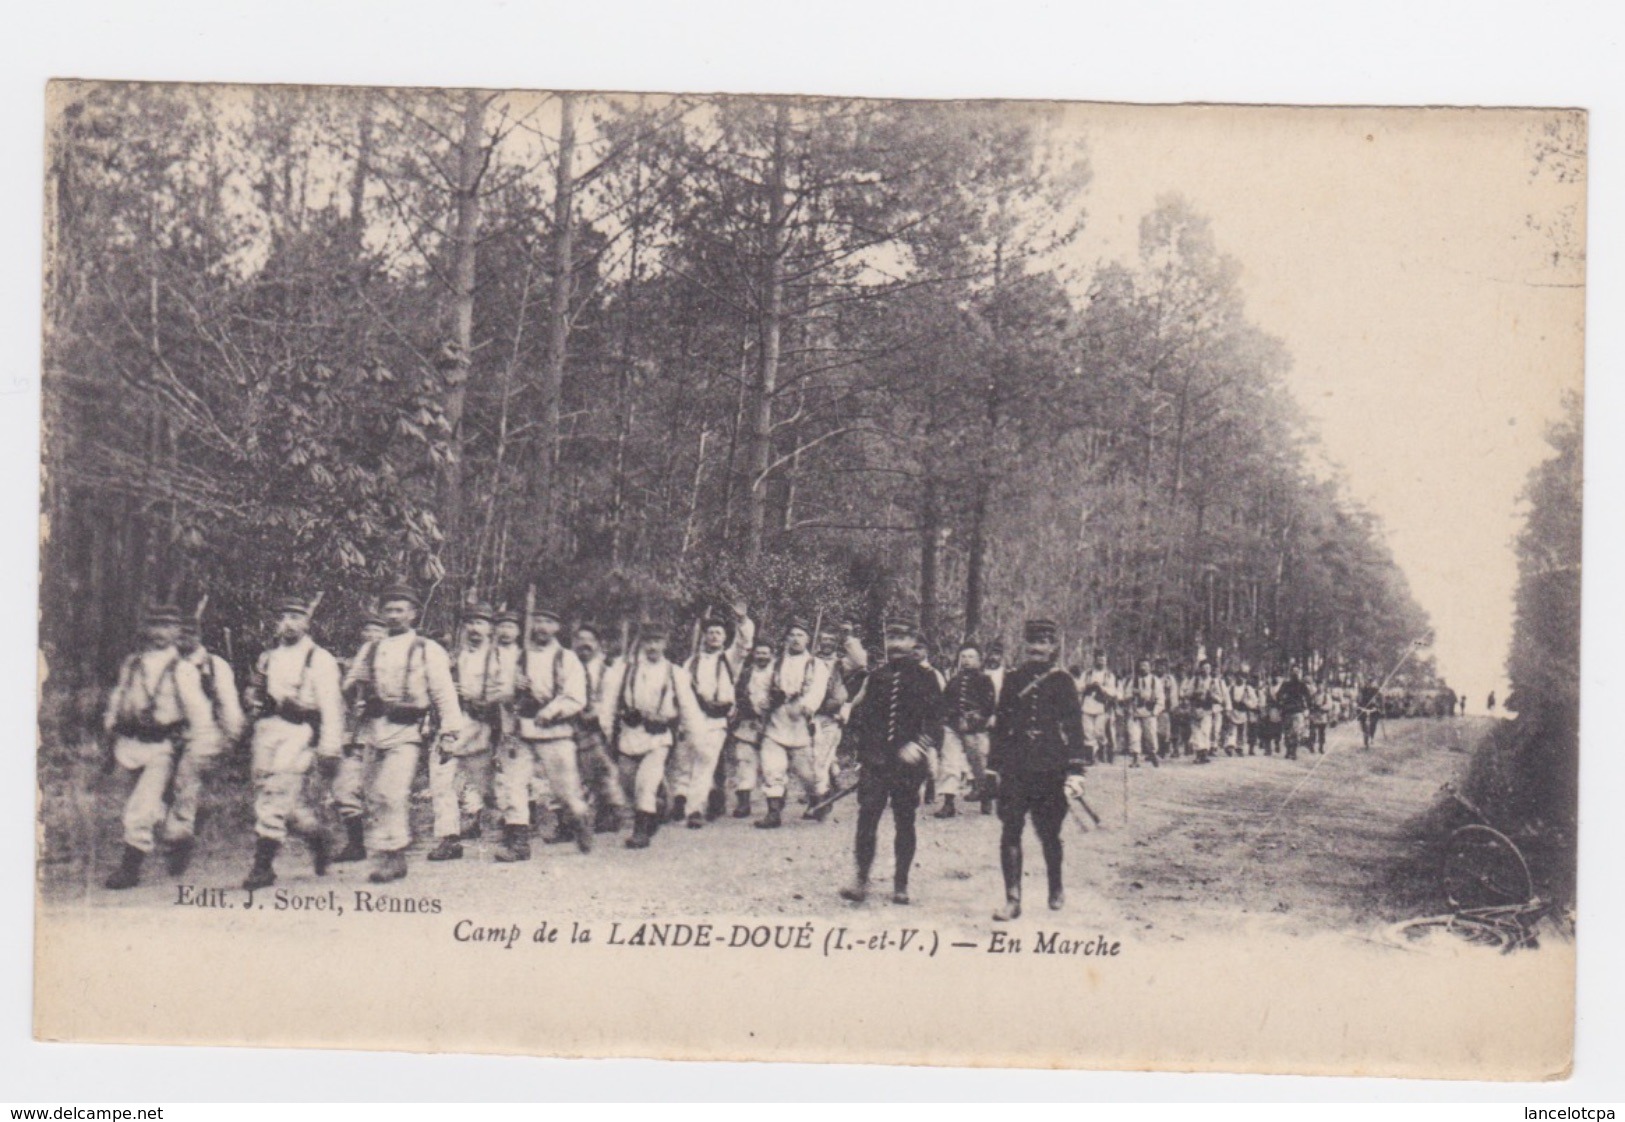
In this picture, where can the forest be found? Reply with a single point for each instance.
(647, 353)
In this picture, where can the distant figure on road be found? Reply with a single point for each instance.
(1463, 705)
(1490, 704)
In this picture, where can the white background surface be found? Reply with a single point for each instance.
(1412, 53)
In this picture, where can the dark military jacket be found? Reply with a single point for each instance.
(900, 701)
(1040, 723)
(968, 701)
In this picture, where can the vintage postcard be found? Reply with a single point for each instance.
(726, 577)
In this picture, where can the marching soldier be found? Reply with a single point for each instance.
(1208, 700)
(1238, 717)
(896, 723)
(1295, 700)
(550, 693)
(994, 667)
(712, 669)
(401, 680)
(1320, 715)
(1098, 688)
(298, 702)
(1038, 758)
(646, 698)
(796, 690)
(835, 651)
(1368, 704)
(1170, 700)
(599, 775)
(186, 788)
(752, 700)
(968, 705)
(1146, 704)
(157, 704)
(460, 777)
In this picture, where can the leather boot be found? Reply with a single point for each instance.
(1010, 866)
(947, 809)
(1057, 891)
(128, 873)
(515, 845)
(391, 866)
(536, 817)
(679, 809)
(563, 829)
(741, 804)
(857, 891)
(316, 841)
(471, 832)
(448, 848)
(899, 893)
(641, 831)
(262, 875)
(179, 856)
(716, 804)
(696, 821)
(607, 819)
(775, 815)
(583, 835)
(355, 848)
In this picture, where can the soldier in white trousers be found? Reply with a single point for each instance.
(647, 697)
(751, 702)
(191, 769)
(297, 698)
(158, 708)
(550, 694)
(795, 691)
(1146, 703)
(600, 777)
(460, 777)
(712, 670)
(402, 680)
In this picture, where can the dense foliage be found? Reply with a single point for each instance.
(645, 353)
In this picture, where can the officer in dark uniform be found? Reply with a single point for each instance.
(1037, 760)
(896, 724)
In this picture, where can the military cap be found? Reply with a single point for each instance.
(400, 592)
(652, 630)
(710, 620)
(800, 622)
(545, 612)
(971, 645)
(478, 611)
(505, 615)
(372, 617)
(161, 613)
(291, 604)
(996, 647)
(1041, 629)
(901, 625)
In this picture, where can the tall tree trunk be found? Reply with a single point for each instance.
(930, 546)
(458, 352)
(558, 316)
(363, 168)
(976, 561)
(771, 330)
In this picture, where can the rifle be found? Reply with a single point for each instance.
(832, 798)
(1073, 802)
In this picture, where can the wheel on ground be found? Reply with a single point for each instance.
(1482, 868)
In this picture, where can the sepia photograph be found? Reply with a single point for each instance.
(745, 577)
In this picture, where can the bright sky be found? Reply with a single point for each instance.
(1431, 335)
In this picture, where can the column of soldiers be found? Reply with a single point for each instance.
(513, 720)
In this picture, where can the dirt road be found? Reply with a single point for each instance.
(1316, 845)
